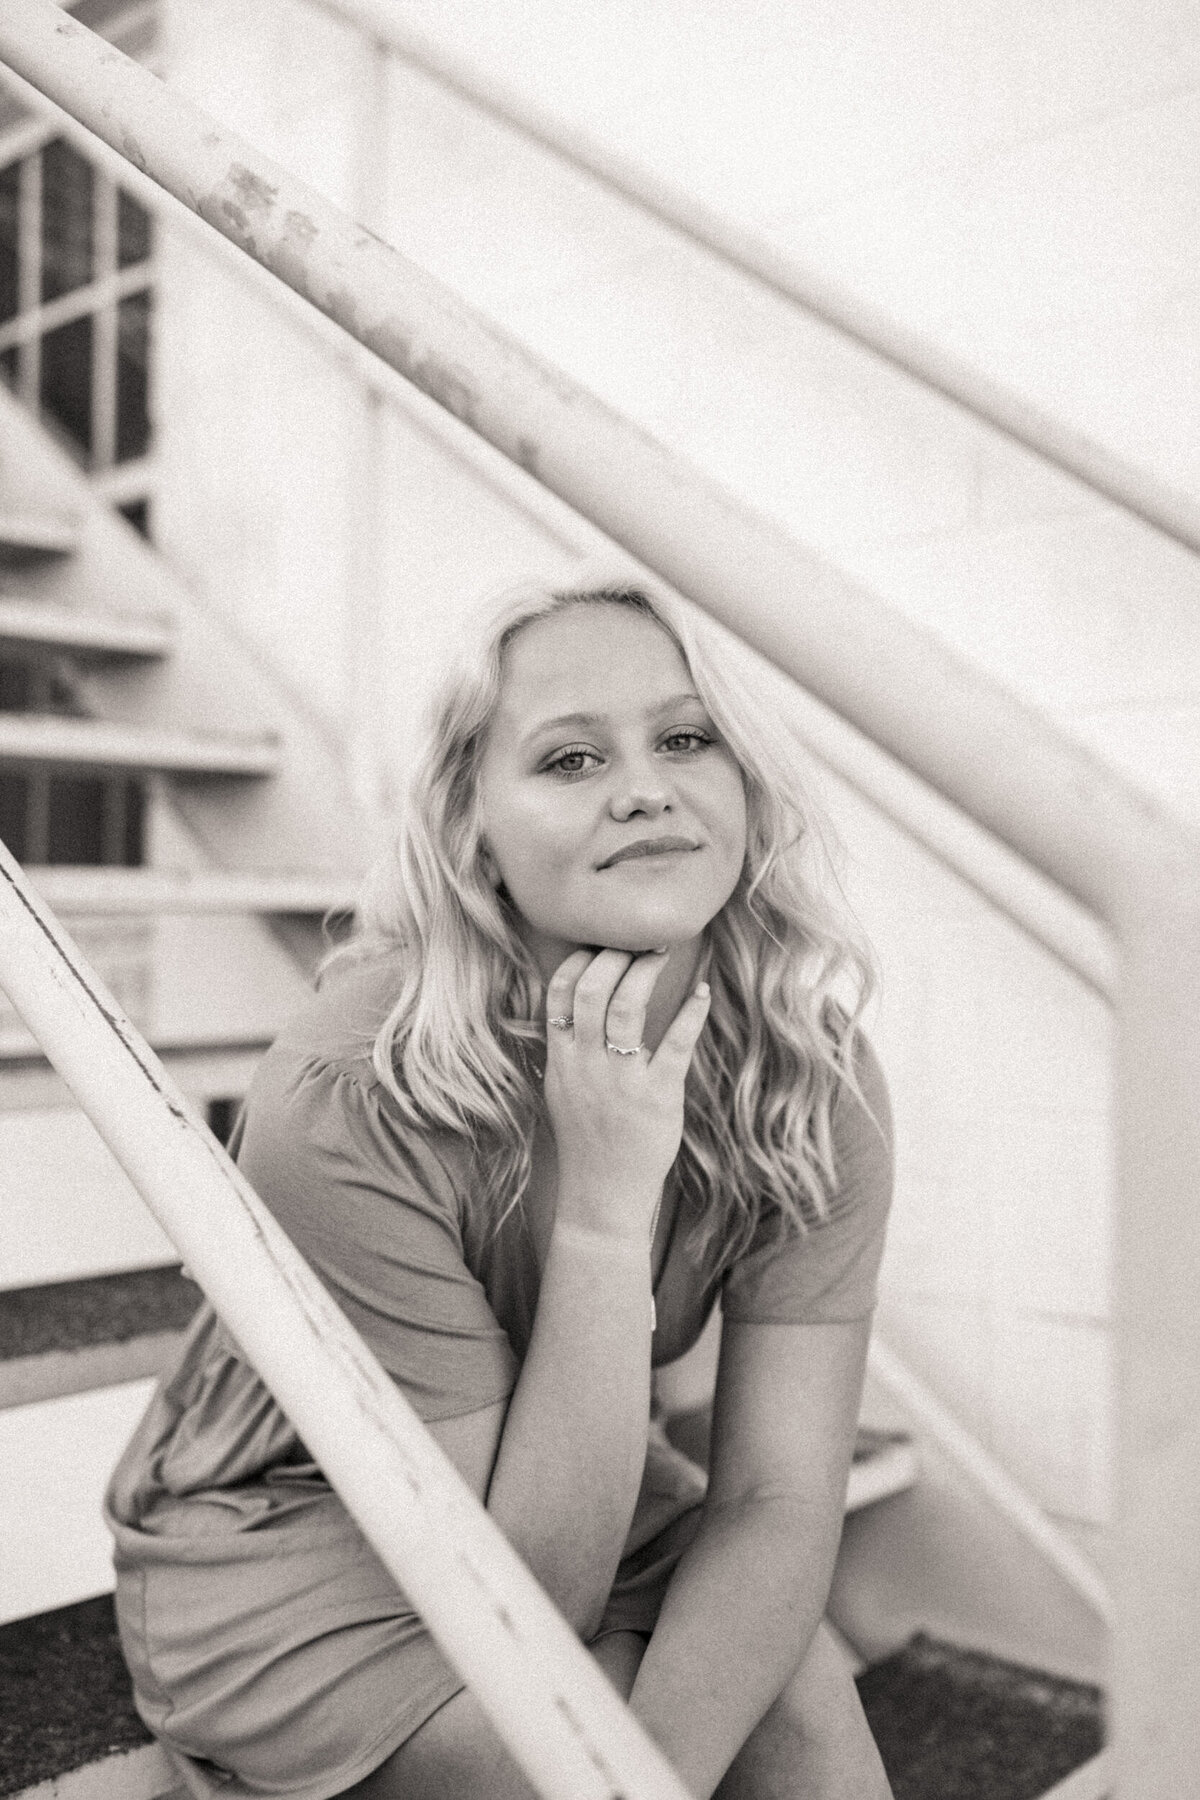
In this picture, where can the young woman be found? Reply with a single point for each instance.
(590, 1067)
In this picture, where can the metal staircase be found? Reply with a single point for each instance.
(103, 1366)
(163, 793)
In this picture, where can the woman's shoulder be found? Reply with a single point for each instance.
(828, 1271)
(337, 1026)
(317, 1092)
(862, 1123)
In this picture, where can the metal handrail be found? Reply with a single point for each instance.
(560, 1716)
(1029, 900)
(1121, 853)
(995, 758)
(1136, 489)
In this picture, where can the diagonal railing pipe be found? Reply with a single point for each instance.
(1058, 807)
(1136, 489)
(1020, 893)
(768, 589)
(560, 1716)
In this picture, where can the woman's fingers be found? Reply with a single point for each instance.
(560, 991)
(680, 1038)
(593, 991)
(606, 994)
(625, 1020)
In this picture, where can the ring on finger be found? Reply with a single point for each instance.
(623, 1049)
(561, 1021)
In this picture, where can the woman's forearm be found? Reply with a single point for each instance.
(570, 1460)
(739, 1615)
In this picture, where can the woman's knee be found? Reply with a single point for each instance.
(814, 1741)
(620, 1654)
(457, 1754)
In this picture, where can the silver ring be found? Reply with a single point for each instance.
(561, 1021)
(623, 1050)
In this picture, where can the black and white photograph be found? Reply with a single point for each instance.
(599, 900)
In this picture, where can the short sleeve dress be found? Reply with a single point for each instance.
(271, 1652)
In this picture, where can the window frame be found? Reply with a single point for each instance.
(120, 483)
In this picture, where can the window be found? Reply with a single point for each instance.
(77, 313)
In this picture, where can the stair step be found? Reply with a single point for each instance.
(69, 1337)
(74, 891)
(38, 624)
(885, 1463)
(67, 1447)
(951, 1724)
(68, 1729)
(100, 743)
(57, 1549)
(37, 534)
(954, 1724)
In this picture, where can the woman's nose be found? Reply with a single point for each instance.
(643, 792)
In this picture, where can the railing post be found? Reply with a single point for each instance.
(1156, 1286)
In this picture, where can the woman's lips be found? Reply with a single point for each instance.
(665, 846)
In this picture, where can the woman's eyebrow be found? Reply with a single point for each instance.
(563, 719)
(585, 719)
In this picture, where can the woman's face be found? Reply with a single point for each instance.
(611, 811)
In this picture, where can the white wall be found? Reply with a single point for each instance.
(1020, 183)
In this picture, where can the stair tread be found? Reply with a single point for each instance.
(67, 1698)
(57, 1374)
(208, 1070)
(71, 890)
(49, 737)
(960, 1725)
(42, 534)
(72, 628)
(100, 1309)
(951, 1723)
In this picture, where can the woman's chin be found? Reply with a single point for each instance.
(640, 935)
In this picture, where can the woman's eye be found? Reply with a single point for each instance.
(570, 762)
(689, 740)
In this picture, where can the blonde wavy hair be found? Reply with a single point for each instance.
(789, 970)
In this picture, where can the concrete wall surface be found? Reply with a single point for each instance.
(1018, 183)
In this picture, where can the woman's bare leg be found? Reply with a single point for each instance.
(814, 1742)
(456, 1754)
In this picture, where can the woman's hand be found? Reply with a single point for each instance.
(617, 1120)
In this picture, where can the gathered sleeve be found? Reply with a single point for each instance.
(829, 1273)
(373, 1207)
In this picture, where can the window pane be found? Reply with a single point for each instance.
(10, 180)
(76, 824)
(9, 366)
(14, 812)
(66, 380)
(67, 184)
(133, 231)
(133, 388)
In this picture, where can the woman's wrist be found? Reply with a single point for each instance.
(588, 1230)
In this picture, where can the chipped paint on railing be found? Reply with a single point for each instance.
(1002, 763)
